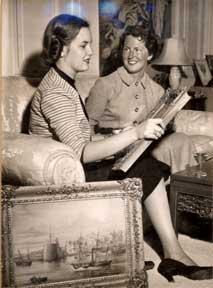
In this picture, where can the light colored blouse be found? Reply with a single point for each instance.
(56, 112)
(117, 101)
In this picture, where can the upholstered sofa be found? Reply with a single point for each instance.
(32, 160)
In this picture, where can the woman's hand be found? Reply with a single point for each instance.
(151, 129)
(97, 150)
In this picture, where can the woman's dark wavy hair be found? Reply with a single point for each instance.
(60, 31)
(148, 37)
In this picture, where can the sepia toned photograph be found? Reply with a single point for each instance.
(107, 143)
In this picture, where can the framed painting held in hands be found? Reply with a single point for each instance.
(86, 235)
(203, 71)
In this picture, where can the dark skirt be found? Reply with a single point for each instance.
(150, 170)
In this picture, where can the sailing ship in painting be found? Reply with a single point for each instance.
(81, 253)
(57, 257)
(94, 257)
(51, 251)
(22, 259)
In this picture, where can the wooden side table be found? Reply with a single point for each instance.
(192, 194)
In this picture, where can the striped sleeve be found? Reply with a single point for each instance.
(63, 117)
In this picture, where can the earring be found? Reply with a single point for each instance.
(62, 54)
(150, 57)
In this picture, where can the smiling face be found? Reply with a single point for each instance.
(76, 56)
(135, 55)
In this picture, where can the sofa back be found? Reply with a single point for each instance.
(16, 94)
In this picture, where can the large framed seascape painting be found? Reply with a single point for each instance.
(86, 235)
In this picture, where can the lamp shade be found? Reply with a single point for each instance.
(173, 53)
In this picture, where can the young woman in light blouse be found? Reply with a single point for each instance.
(57, 111)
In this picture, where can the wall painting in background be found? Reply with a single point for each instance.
(116, 15)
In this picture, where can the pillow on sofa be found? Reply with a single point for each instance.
(194, 122)
(32, 160)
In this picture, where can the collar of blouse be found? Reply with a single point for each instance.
(128, 79)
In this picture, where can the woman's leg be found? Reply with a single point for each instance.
(157, 207)
(154, 198)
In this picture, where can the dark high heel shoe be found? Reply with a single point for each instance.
(169, 268)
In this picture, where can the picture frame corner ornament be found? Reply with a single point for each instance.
(132, 186)
(8, 192)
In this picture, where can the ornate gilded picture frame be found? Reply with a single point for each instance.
(86, 235)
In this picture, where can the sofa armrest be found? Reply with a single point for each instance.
(34, 160)
(194, 122)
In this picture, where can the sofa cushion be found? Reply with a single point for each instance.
(32, 160)
(176, 150)
(194, 122)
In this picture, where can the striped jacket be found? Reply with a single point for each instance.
(56, 112)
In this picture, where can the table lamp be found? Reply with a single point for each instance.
(173, 55)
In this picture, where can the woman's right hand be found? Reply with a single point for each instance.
(97, 150)
(151, 129)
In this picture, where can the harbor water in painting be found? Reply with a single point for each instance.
(71, 240)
